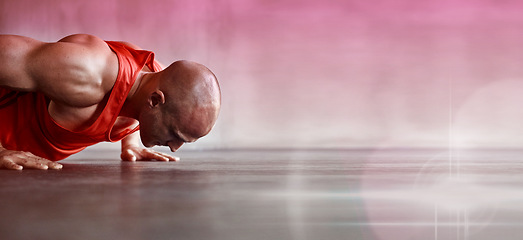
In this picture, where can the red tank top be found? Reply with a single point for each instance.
(25, 124)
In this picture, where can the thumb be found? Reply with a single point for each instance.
(128, 155)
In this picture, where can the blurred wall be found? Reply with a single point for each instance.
(325, 73)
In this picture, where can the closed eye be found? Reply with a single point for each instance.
(178, 137)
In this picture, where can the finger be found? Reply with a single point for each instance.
(150, 154)
(171, 158)
(11, 165)
(55, 165)
(29, 161)
(21, 160)
(42, 163)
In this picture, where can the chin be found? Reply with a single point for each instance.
(147, 144)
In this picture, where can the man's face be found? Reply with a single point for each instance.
(159, 129)
(183, 108)
(176, 123)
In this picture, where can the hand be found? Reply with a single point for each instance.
(135, 153)
(18, 160)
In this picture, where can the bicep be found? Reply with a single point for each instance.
(58, 62)
(31, 65)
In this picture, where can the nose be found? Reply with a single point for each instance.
(174, 145)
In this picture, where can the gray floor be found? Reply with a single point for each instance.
(350, 194)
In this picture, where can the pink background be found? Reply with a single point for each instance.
(326, 73)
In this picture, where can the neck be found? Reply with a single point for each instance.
(137, 95)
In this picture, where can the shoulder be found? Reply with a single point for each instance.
(77, 70)
(86, 48)
(99, 52)
(85, 40)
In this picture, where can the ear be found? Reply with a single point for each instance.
(156, 98)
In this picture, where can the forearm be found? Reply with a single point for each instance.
(132, 140)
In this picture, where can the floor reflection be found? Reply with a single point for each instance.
(450, 195)
(298, 195)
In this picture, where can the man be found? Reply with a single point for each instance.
(58, 98)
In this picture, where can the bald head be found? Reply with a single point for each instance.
(192, 95)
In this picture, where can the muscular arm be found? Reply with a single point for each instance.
(71, 71)
(75, 73)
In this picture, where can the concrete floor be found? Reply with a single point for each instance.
(350, 194)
